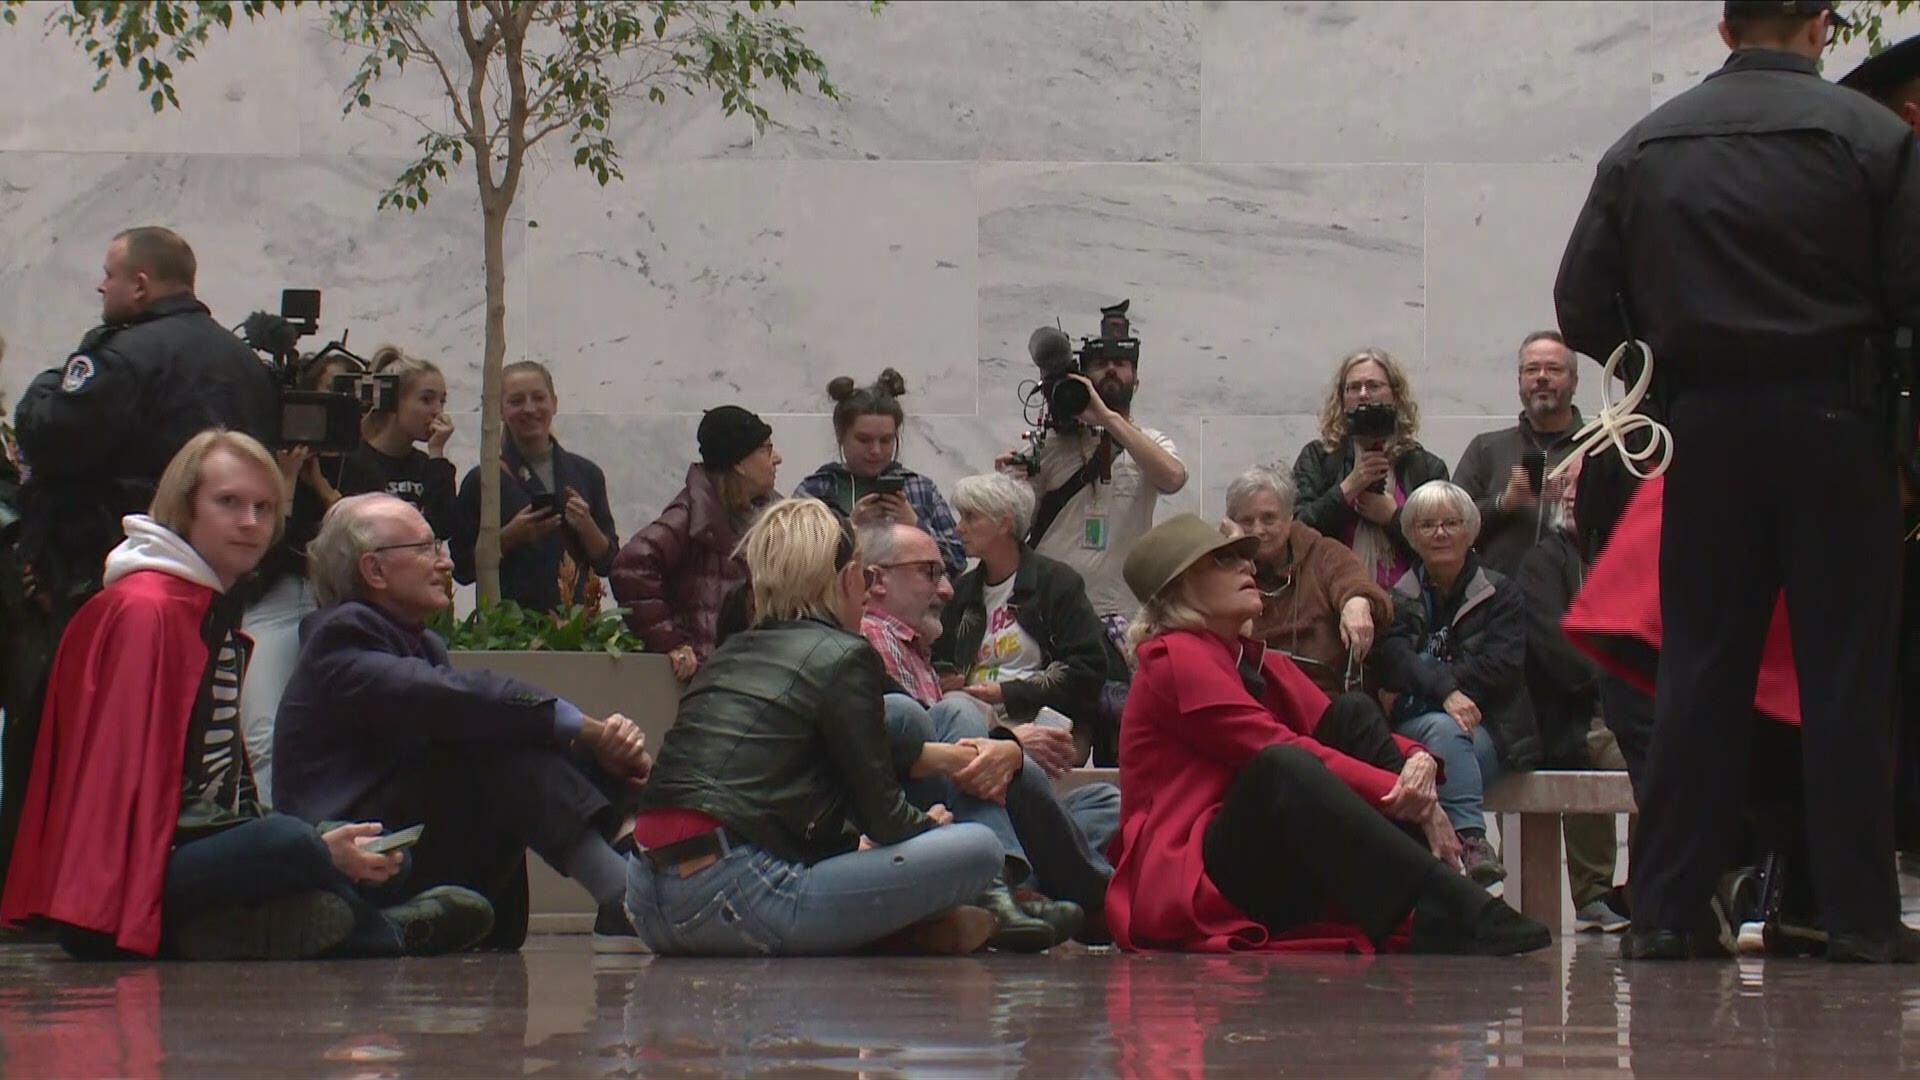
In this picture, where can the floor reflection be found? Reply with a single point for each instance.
(556, 1010)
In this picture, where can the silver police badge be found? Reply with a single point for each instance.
(79, 370)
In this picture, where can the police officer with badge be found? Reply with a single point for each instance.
(96, 432)
(1761, 233)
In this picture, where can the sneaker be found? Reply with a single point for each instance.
(1479, 862)
(613, 932)
(296, 927)
(1597, 914)
(447, 919)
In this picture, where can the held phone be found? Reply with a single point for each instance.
(395, 841)
(887, 485)
(549, 502)
(1535, 463)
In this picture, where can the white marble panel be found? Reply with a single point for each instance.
(946, 80)
(257, 224)
(1495, 234)
(1235, 443)
(1248, 281)
(237, 97)
(1454, 81)
(696, 283)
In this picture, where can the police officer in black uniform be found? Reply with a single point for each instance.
(97, 432)
(1762, 234)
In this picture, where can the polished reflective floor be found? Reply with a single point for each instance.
(557, 1010)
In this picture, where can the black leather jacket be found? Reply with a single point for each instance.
(1317, 473)
(782, 737)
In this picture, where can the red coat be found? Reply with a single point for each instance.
(104, 795)
(1189, 729)
(1621, 600)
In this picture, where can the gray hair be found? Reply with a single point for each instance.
(996, 495)
(1256, 480)
(347, 532)
(879, 543)
(1547, 335)
(1434, 499)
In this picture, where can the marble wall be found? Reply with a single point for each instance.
(1271, 183)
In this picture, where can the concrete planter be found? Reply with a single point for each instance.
(640, 686)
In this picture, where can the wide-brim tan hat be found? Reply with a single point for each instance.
(1174, 545)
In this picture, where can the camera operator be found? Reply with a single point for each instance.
(1763, 232)
(96, 432)
(1097, 482)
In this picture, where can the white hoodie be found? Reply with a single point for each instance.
(152, 546)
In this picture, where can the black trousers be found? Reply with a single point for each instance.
(1292, 839)
(1774, 484)
(483, 807)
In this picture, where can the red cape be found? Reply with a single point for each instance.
(104, 795)
(1621, 601)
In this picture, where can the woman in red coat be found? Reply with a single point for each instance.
(1254, 815)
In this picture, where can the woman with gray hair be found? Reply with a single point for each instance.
(1456, 661)
(1320, 606)
(1020, 633)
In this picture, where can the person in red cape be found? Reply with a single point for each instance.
(1254, 814)
(143, 832)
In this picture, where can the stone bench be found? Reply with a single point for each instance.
(1540, 798)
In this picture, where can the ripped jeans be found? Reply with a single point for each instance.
(754, 903)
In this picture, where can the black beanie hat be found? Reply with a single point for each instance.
(728, 434)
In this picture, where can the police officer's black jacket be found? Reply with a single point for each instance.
(1765, 217)
(98, 431)
(782, 738)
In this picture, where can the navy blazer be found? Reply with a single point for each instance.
(530, 576)
(369, 695)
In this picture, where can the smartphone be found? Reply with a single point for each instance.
(887, 485)
(1535, 462)
(394, 841)
(549, 502)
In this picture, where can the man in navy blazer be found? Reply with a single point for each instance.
(375, 725)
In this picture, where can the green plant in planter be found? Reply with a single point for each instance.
(508, 626)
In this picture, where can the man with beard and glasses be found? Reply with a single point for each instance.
(1514, 516)
(1096, 524)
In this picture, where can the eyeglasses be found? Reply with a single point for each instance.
(932, 569)
(438, 546)
(1228, 559)
(1370, 386)
(1435, 528)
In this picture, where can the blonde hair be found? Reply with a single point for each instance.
(794, 556)
(1169, 609)
(172, 505)
(389, 360)
(1333, 414)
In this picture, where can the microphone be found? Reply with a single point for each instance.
(1051, 350)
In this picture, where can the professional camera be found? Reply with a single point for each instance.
(326, 420)
(1370, 426)
(1062, 399)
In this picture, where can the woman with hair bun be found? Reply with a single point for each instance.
(388, 462)
(868, 483)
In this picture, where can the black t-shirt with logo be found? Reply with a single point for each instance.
(428, 483)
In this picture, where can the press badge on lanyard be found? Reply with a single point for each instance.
(1095, 538)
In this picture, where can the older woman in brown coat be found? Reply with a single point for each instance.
(1320, 607)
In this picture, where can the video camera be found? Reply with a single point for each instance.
(326, 420)
(1062, 399)
(1370, 426)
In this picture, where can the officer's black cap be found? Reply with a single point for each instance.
(1735, 9)
(1883, 75)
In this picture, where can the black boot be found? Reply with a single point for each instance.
(446, 919)
(1453, 915)
(1014, 929)
(1065, 916)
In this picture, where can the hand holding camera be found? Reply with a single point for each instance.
(1369, 475)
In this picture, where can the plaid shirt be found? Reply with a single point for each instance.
(936, 517)
(909, 660)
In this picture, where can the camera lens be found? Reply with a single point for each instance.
(1067, 398)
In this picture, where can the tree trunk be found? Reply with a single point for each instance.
(486, 552)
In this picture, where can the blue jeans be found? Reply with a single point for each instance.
(754, 903)
(1471, 764)
(263, 860)
(1096, 810)
(1037, 829)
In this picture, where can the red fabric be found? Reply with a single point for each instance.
(658, 828)
(104, 795)
(1621, 600)
(1189, 728)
